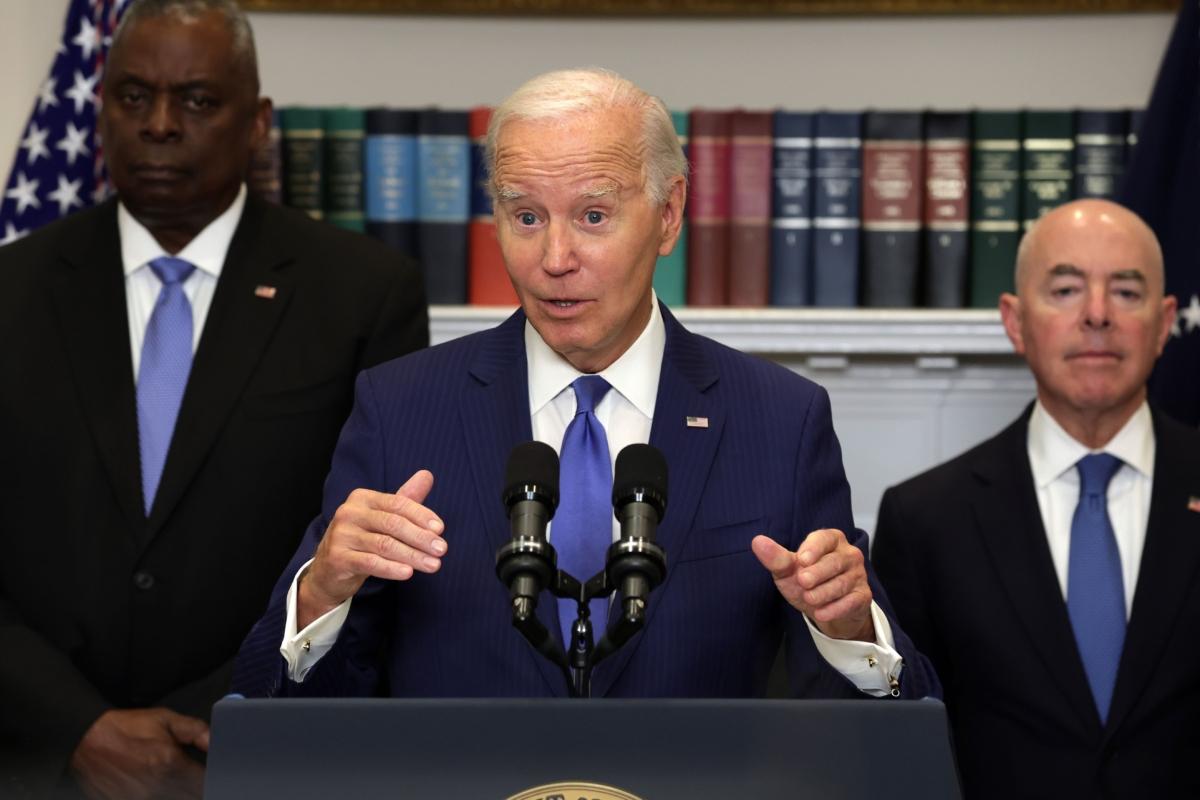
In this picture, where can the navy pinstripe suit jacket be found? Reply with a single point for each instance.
(768, 462)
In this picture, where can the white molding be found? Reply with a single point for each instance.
(923, 333)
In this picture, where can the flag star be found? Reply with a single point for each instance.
(47, 96)
(87, 39)
(11, 234)
(25, 193)
(1191, 314)
(35, 142)
(74, 143)
(66, 195)
(83, 91)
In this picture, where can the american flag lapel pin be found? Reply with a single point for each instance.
(265, 292)
(697, 422)
(1194, 504)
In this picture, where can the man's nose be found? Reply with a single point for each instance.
(1097, 309)
(558, 249)
(162, 121)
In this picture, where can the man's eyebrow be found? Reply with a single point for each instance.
(1132, 274)
(1065, 270)
(600, 190)
(506, 194)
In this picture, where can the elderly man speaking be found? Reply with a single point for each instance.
(393, 589)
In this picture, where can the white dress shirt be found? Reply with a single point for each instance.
(626, 412)
(206, 251)
(1052, 457)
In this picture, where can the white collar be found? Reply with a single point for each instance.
(207, 250)
(634, 374)
(1053, 451)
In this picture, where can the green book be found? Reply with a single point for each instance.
(670, 274)
(303, 159)
(995, 204)
(345, 133)
(1047, 162)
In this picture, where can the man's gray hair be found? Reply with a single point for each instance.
(239, 25)
(566, 93)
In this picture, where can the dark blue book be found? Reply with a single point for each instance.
(1100, 148)
(390, 177)
(947, 214)
(443, 203)
(892, 195)
(836, 204)
(791, 209)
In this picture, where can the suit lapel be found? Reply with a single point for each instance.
(89, 296)
(239, 326)
(683, 391)
(495, 418)
(1170, 563)
(1015, 539)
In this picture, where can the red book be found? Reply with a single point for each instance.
(750, 155)
(487, 279)
(708, 210)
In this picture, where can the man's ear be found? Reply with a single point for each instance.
(261, 128)
(1010, 315)
(672, 215)
(1170, 306)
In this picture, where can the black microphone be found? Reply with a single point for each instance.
(636, 563)
(527, 564)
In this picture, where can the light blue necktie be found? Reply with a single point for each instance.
(1095, 588)
(163, 373)
(582, 529)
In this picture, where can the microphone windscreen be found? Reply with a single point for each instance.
(640, 468)
(532, 464)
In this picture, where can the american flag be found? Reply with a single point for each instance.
(1163, 185)
(58, 168)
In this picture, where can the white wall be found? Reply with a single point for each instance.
(995, 61)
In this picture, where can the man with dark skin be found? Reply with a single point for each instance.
(114, 676)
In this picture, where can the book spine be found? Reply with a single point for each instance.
(750, 151)
(443, 203)
(345, 132)
(1047, 154)
(487, 279)
(947, 179)
(390, 167)
(670, 273)
(266, 169)
(891, 207)
(791, 209)
(995, 204)
(836, 204)
(708, 211)
(1100, 145)
(303, 159)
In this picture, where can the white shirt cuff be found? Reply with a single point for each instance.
(303, 649)
(873, 668)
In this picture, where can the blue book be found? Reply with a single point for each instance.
(836, 207)
(791, 209)
(443, 203)
(390, 178)
(1100, 147)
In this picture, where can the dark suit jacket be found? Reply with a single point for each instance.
(963, 554)
(99, 606)
(768, 462)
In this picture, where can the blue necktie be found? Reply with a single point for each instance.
(1095, 588)
(162, 376)
(582, 529)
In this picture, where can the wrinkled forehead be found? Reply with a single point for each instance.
(596, 153)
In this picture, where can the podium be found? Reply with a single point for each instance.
(551, 749)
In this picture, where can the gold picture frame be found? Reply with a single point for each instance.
(711, 7)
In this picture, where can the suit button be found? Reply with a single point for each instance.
(143, 580)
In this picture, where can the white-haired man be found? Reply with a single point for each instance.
(396, 588)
